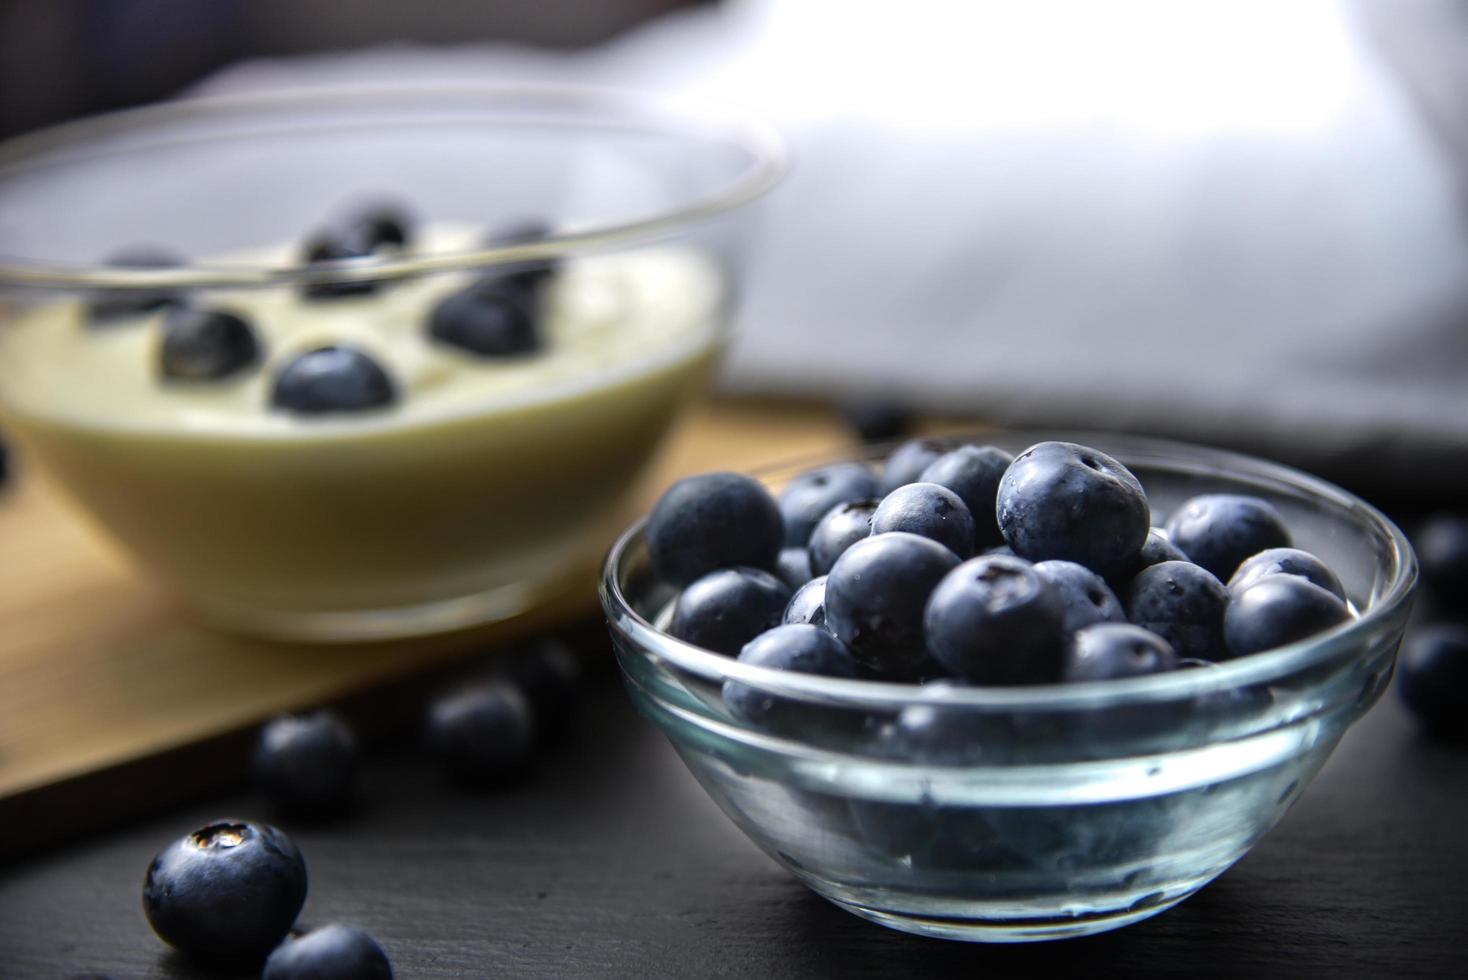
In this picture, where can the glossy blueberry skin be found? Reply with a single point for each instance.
(808, 497)
(908, 461)
(973, 472)
(793, 567)
(1286, 561)
(1182, 603)
(332, 379)
(111, 306)
(227, 892)
(876, 421)
(483, 733)
(1155, 550)
(1109, 651)
(843, 526)
(929, 510)
(1442, 548)
(799, 647)
(1276, 610)
(548, 673)
(996, 621)
(808, 604)
(334, 952)
(306, 765)
(1220, 530)
(1061, 500)
(1432, 676)
(724, 610)
(875, 597)
(487, 320)
(1085, 598)
(712, 521)
(206, 345)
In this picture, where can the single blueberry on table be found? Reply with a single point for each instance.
(1276, 610)
(996, 621)
(1220, 530)
(1432, 677)
(809, 496)
(876, 420)
(843, 526)
(483, 733)
(875, 597)
(1109, 651)
(973, 472)
(206, 345)
(332, 379)
(334, 952)
(228, 892)
(712, 521)
(1286, 561)
(548, 673)
(1184, 604)
(907, 462)
(1061, 500)
(929, 510)
(306, 765)
(724, 610)
(793, 567)
(111, 305)
(1085, 598)
(798, 647)
(808, 604)
(488, 320)
(1442, 548)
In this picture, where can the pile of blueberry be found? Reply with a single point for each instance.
(1432, 676)
(972, 566)
(497, 315)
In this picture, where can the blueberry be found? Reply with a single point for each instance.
(973, 472)
(1085, 598)
(843, 526)
(1182, 603)
(808, 604)
(307, 765)
(875, 597)
(482, 733)
(107, 306)
(1276, 610)
(1108, 651)
(808, 497)
(876, 421)
(332, 379)
(381, 223)
(1226, 702)
(726, 609)
(333, 952)
(995, 620)
(1432, 677)
(1220, 530)
(798, 647)
(356, 235)
(937, 734)
(523, 231)
(1155, 550)
(226, 892)
(929, 510)
(716, 520)
(1442, 548)
(548, 673)
(206, 345)
(908, 461)
(486, 320)
(1285, 561)
(1061, 500)
(793, 567)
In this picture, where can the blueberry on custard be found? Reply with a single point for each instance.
(332, 379)
(358, 234)
(109, 306)
(490, 318)
(206, 345)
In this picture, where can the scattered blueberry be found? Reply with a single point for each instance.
(356, 235)
(908, 461)
(808, 604)
(1277, 610)
(808, 497)
(227, 892)
(1220, 530)
(877, 421)
(973, 472)
(1108, 651)
(1442, 548)
(206, 345)
(1286, 561)
(793, 567)
(307, 764)
(482, 733)
(333, 952)
(107, 306)
(724, 610)
(929, 510)
(1085, 598)
(875, 597)
(548, 673)
(1432, 676)
(716, 520)
(798, 647)
(1061, 500)
(1184, 604)
(843, 526)
(486, 320)
(995, 620)
(332, 379)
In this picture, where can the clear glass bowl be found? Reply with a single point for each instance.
(486, 483)
(1087, 806)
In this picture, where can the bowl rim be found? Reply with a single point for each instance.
(606, 107)
(647, 640)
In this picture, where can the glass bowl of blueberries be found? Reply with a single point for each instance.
(363, 363)
(1009, 688)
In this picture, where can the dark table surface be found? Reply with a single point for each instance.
(611, 862)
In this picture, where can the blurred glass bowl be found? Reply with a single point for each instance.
(475, 493)
(1087, 806)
